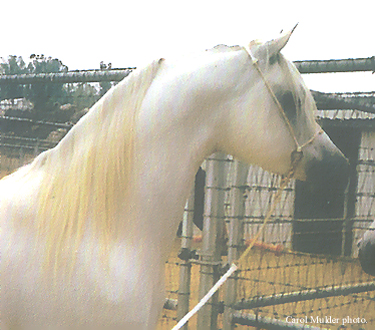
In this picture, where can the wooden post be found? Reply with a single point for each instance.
(185, 266)
(235, 230)
(213, 238)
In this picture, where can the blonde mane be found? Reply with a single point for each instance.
(85, 175)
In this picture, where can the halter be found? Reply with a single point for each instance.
(297, 154)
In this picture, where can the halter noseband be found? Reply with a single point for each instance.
(297, 154)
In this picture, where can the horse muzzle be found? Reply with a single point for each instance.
(330, 169)
(323, 162)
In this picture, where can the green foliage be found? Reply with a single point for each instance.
(84, 95)
(13, 65)
(42, 64)
(52, 101)
(46, 97)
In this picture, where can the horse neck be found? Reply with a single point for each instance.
(179, 124)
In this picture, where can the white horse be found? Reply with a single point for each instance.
(88, 225)
(366, 253)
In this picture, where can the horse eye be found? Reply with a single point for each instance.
(288, 104)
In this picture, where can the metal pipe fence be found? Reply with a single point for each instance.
(303, 295)
(312, 66)
(342, 65)
(66, 77)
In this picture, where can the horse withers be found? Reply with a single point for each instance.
(86, 228)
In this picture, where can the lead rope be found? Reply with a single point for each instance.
(296, 157)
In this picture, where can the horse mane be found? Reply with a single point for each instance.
(85, 175)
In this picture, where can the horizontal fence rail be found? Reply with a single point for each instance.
(17, 142)
(27, 147)
(313, 66)
(36, 122)
(344, 65)
(262, 322)
(298, 296)
(328, 101)
(66, 77)
(284, 298)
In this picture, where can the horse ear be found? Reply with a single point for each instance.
(276, 45)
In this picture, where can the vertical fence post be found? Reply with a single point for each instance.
(185, 266)
(235, 229)
(36, 147)
(213, 238)
(22, 157)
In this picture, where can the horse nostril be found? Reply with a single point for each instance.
(359, 243)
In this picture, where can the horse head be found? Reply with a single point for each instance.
(280, 109)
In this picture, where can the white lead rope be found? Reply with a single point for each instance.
(206, 298)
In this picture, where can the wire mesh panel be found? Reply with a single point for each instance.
(261, 188)
(291, 289)
(169, 317)
(365, 195)
(320, 291)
